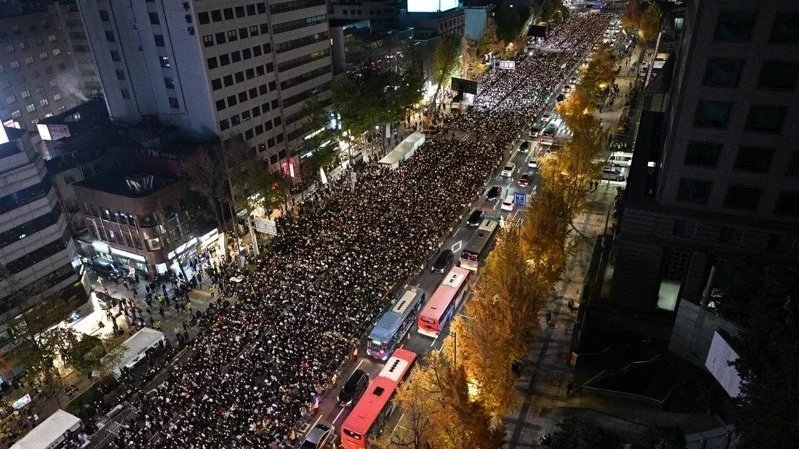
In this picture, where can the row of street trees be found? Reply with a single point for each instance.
(459, 396)
(370, 98)
(643, 19)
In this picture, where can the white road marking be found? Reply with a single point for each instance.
(316, 422)
(339, 415)
(456, 246)
(396, 426)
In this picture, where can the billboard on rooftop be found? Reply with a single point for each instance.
(431, 5)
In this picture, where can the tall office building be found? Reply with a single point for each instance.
(715, 175)
(36, 250)
(46, 66)
(213, 67)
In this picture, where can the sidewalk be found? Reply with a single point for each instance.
(547, 374)
(544, 383)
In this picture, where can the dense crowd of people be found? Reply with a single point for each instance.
(261, 362)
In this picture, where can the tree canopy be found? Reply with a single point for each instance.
(510, 19)
(577, 433)
(441, 412)
(445, 63)
(598, 74)
(767, 410)
(371, 97)
(645, 20)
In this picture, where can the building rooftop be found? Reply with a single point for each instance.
(134, 185)
(82, 117)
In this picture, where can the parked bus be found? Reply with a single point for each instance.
(444, 302)
(474, 253)
(374, 408)
(395, 323)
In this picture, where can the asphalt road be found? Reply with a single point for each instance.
(329, 410)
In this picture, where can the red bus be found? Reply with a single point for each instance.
(374, 408)
(442, 305)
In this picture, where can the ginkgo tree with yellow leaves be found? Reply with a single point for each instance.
(502, 322)
(461, 394)
(598, 73)
(440, 411)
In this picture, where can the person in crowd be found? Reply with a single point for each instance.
(259, 364)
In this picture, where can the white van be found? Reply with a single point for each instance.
(620, 159)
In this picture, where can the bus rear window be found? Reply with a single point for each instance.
(352, 434)
(427, 320)
(468, 256)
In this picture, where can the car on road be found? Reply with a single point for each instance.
(524, 146)
(550, 130)
(105, 269)
(443, 262)
(507, 203)
(524, 180)
(566, 89)
(353, 388)
(475, 218)
(507, 171)
(546, 117)
(532, 163)
(493, 193)
(318, 436)
(611, 174)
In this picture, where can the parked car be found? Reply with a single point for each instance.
(105, 268)
(475, 218)
(493, 193)
(507, 171)
(318, 436)
(524, 180)
(353, 388)
(611, 174)
(443, 262)
(507, 203)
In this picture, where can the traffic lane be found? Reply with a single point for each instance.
(329, 409)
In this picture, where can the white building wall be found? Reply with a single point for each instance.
(136, 84)
(20, 168)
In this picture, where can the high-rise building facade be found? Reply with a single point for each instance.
(239, 68)
(36, 250)
(715, 175)
(46, 66)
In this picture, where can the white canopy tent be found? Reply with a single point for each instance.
(51, 432)
(403, 151)
(136, 348)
